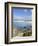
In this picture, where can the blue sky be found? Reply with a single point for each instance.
(21, 15)
(25, 14)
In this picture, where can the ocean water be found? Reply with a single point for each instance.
(22, 24)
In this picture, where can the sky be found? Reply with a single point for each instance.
(22, 14)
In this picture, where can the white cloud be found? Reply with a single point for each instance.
(22, 18)
(25, 10)
(18, 17)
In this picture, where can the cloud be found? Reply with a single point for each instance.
(25, 10)
(18, 17)
(22, 18)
